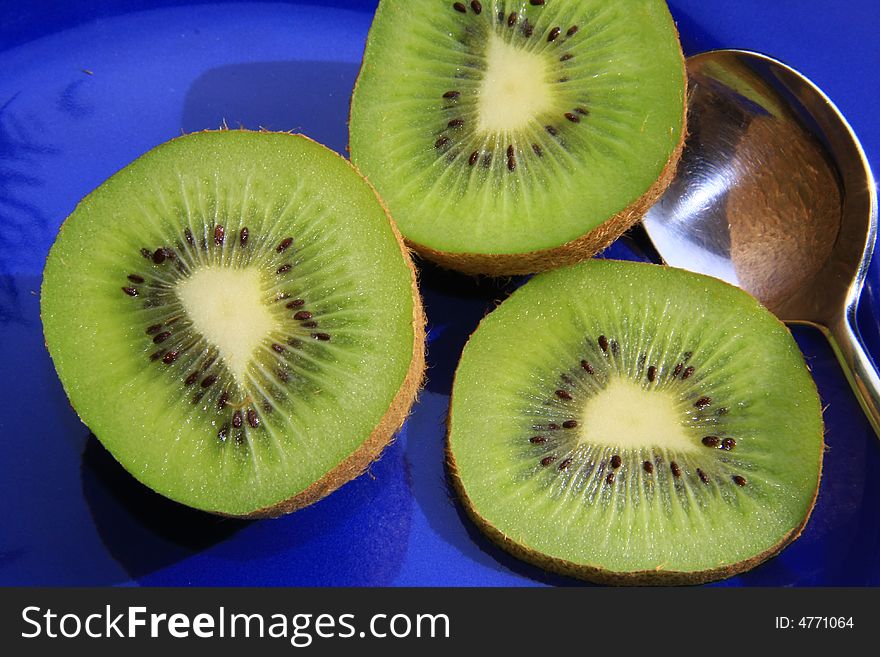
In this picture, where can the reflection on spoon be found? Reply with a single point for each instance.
(774, 194)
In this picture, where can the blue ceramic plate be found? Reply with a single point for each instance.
(85, 90)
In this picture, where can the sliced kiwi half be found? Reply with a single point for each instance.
(511, 136)
(235, 317)
(631, 423)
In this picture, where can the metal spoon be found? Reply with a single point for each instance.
(774, 194)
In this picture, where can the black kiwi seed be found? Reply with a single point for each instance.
(587, 367)
(610, 478)
(739, 481)
(130, 291)
(615, 348)
(159, 339)
(243, 237)
(187, 234)
(552, 426)
(652, 373)
(565, 464)
(192, 378)
(310, 324)
(157, 355)
(702, 402)
(159, 256)
(279, 348)
(582, 111)
(615, 461)
(703, 477)
(284, 245)
(237, 419)
(648, 467)
(538, 440)
(551, 130)
(283, 269)
(452, 94)
(687, 373)
(455, 123)
(569, 424)
(170, 357)
(572, 31)
(477, 7)
(678, 369)
(223, 400)
(323, 337)
(711, 441)
(302, 315)
(134, 278)
(536, 3)
(603, 343)
(296, 303)
(538, 150)
(473, 158)
(440, 143)
(510, 151)
(566, 57)
(252, 418)
(527, 28)
(554, 34)
(459, 7)
(511, 163)
(512, 19)
(209, 380)
(676, 470)
(728, 444)
(547, 460)
(155, 328)
(223, 433)
(574, 118)
(219, 235)
(563, 394)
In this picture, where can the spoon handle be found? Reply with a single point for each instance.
(857, 365)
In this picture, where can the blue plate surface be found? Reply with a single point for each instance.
(85, 90)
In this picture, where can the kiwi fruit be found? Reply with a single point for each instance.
(509, 137)
(235, 316)
(630, 423)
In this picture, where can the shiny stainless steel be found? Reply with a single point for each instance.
(804, 247)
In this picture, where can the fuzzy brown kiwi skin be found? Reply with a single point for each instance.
(384, 432)
(656, 577)
(573, 251)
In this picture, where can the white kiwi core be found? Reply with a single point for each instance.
(226, 306)
(627, 416)
(515, 89)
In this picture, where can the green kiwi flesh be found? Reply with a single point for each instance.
(235, 317)
(513, 136)
(632, 423)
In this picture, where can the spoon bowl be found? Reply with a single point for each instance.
(774, 194)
